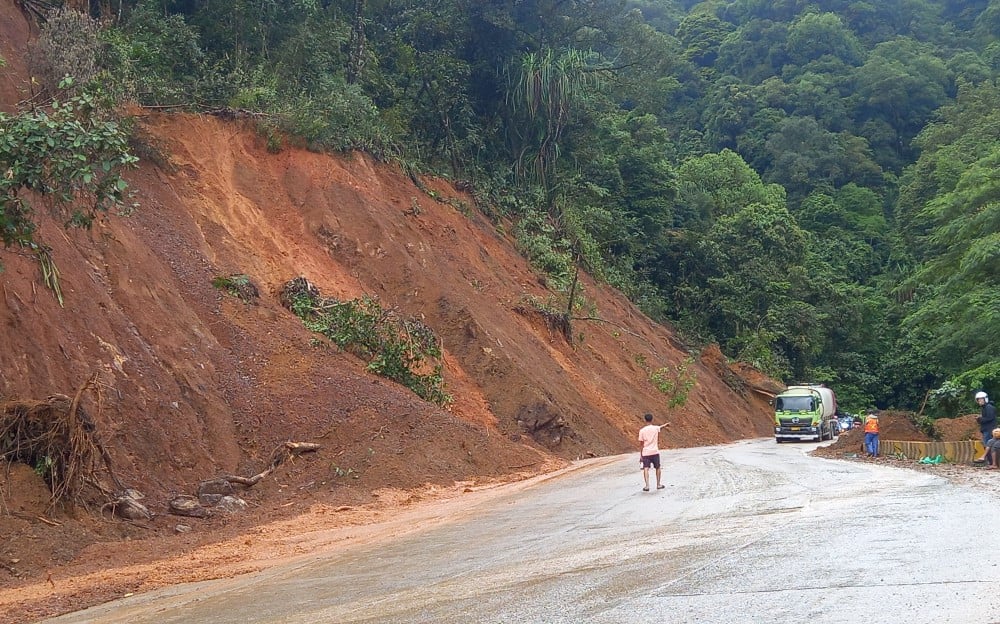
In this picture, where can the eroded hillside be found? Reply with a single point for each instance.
(189, 382)
(194, 381)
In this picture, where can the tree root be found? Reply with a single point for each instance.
(59, 439)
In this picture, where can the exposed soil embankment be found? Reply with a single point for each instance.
(190, 383)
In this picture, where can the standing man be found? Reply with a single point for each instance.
(871, 434)
(987, 418)
(649, 450)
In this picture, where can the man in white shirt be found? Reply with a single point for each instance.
(649, 450)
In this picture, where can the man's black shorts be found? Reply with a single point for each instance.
(651, 460)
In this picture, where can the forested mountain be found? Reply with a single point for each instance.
(810, 184)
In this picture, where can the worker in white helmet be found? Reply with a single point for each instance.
(987, 418)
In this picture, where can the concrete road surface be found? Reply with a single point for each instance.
(750, 532)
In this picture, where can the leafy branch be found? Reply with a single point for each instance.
(675, 382)
(69, 154)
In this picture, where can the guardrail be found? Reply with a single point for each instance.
(963, 452)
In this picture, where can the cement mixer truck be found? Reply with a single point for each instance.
(805, 413)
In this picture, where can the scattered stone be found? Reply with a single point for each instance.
(209, 500)
(185, 505)
(221, 487)
(127, 506)
(231, 504)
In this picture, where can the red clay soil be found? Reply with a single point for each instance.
(190, 383)
(957, 429)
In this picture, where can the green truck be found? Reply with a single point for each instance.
(806, 412)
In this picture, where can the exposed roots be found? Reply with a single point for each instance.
(298, 292)
(37, 10)
(57, 438)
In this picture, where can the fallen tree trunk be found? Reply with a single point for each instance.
(278, 456)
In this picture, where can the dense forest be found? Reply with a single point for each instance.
(813, 185)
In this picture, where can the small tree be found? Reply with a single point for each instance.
(675, 382)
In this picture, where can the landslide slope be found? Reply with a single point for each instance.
(192, 383)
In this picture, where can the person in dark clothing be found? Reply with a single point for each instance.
(993, 451)
(987, 418)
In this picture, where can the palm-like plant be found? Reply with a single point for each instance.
(547, 86)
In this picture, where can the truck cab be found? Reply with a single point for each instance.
(805, 412)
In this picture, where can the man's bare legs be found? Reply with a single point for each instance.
(645, 479)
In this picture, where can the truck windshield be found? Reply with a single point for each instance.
(795, 404)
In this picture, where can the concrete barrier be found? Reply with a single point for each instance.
(955, 452)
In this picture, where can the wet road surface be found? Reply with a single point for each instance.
(750, 532)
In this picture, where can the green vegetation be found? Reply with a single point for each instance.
(402, 349)
(675, 382)
(809, 184)
(43, 467)
(69, 155)
(239, 286)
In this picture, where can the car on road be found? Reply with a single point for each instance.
(846, 423)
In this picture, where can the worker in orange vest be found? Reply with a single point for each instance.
(871, 434)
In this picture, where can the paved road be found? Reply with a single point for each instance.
(752, 532)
